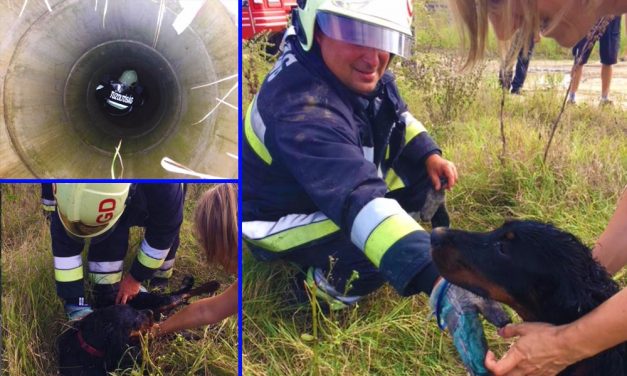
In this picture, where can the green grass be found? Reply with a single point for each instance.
(32, 315)
(576, 189)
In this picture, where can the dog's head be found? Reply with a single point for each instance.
(102, 340)
(116, 325)
(542, 272)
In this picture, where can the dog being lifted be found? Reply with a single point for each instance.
(107, 339)
(543, 273)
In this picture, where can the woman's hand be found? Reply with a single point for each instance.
(539, 351)
(201, 312)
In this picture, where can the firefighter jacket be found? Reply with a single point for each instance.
(157, 207)
(318, 161)
(119, 98)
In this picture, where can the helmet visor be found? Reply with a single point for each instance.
(353, 31)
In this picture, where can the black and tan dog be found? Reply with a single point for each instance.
(108, 338)
(543, 273)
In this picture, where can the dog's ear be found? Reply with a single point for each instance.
(588, 284)
(601, 285)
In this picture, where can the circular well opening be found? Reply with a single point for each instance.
(146, 125)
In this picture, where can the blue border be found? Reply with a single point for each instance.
(240, 267)
(191, 181)
(237, 181)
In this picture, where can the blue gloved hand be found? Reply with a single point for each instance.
(77, 311)
(457, 310)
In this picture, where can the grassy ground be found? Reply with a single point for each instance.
(32, 315)
(576, 189)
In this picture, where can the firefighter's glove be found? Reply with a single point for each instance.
(457, 310)
(77, 311)
(434, 205)
(433, 201)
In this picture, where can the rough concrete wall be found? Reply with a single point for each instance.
(43, 122)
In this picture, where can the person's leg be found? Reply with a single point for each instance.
(522, 64)
(163, 274)
(575, 78)
(68, 264)
(581, 57)
(340, 271)
(609, 46)
(48, 202)
(106, 260)
(136, 217)
(606, 81)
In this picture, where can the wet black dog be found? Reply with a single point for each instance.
(107, 339)
(543, 273)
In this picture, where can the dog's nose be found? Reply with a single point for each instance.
(437, 236)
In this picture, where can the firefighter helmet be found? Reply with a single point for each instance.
(88, 210)
(128, 77)
(381, 24)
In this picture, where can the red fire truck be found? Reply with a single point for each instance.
(265, 15)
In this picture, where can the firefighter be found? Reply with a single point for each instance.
(119, 96)
(100, 215)
(334, 161)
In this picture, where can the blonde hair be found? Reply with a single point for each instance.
(215, 225)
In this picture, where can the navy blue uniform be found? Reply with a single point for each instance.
(320, 164)
(118, 98)
(48, 203)
(156, 207)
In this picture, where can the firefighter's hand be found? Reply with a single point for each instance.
(128, 289)
(438, 167)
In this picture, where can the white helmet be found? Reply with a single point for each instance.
(381, 24)
(88, 210)
(128, 77)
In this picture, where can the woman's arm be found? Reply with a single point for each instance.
(202, 312)
(543, 349)
(611, 248)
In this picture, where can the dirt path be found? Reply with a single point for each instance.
(545, 73)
